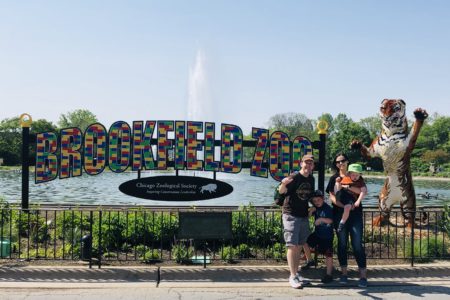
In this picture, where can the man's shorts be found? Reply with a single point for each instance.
(296, 230)
(323, 246)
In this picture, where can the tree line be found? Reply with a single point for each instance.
(11, 133)
(431, 153)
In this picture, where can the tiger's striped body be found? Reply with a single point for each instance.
(394, 145)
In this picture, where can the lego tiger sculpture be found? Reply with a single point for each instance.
(394, 145)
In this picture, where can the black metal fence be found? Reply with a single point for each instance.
(100, 235)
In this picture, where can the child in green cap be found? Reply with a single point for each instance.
(350, 191)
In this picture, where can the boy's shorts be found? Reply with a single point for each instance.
(323, 246)
(345, 197)
(296, 230)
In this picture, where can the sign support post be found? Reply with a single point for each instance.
(25, 123)
(322, 127)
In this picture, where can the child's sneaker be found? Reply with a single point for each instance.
(327, 279)
(340, 227)
(343, 279)
(362, 282)
(307, 265)
(303, 280)
(295, 282)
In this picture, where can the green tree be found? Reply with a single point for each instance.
(248, 152)
(293, 124)
(433, 136)
(10, 125)
(335, 143)
(80, 118)
(437, 157)
(418, 166)
(345, 130)
(42, 125)
(11, 139)
(372, 124)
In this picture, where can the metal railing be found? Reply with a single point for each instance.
(149, 234)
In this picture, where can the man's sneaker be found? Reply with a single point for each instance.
(343, 279)
(340, 227)
(303, 280)
(295, 282)
(362, 282)
(327, 279)
(307, 265)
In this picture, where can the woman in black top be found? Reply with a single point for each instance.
(353, 227)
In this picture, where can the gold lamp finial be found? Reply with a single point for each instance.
(25, 120)
(322, 126)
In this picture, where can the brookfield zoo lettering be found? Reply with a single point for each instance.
(123, 146)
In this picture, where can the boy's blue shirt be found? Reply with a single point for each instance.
(324, 230)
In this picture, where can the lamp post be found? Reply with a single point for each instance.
(322, 127)
(25, 123)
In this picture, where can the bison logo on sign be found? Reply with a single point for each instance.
(211, 188)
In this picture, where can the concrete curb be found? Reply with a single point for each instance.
(212, 276)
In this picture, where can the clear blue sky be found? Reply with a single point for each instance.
(136, 60)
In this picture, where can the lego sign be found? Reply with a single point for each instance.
(147, 146)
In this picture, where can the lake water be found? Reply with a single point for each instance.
(103, 190)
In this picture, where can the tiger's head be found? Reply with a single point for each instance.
(392, 114)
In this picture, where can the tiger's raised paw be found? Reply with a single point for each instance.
(420, 114)
(355, 145)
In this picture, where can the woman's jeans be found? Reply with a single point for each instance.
(353, 227)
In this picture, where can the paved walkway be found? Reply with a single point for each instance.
(243, 282)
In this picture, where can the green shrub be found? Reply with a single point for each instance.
(151, 256)
(113, 227)
(182, 254)
(379, 236)
(69, 251)
(227, 254)
(10, 232)
(70, 224)
(4, 211)
(143, 227)
(146, 254)
(31, 225)
(152, 227)
(438, 247)
(44, 253)
(110, 255)
(243, 251)
(444, 220)
(427, 250)
(256, 228)
(277, 251)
